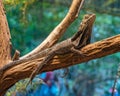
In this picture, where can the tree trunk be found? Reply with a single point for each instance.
(4, 38)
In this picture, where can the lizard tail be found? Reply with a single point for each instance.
(31, 77)
(34, 73)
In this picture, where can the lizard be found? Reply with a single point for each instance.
(73, 44)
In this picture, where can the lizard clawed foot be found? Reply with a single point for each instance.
(65, 73)
(78, 52)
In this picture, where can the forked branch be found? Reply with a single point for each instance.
(9, 76)
(60, 29)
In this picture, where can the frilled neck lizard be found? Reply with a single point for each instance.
(73, 44)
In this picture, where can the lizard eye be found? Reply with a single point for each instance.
(86, 16)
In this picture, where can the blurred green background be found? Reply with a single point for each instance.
(31, 21)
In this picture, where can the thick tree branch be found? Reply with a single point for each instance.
(60, 29)
(23, 69)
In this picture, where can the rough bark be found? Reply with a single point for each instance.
(54, 36)
(23, 70)
(4, 38)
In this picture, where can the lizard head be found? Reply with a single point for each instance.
(88, 20)
(82, 37)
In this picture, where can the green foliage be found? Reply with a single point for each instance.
(31, 21)
(109, 2)
(106, 26)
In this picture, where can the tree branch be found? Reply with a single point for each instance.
(23, 69)
(60, 29)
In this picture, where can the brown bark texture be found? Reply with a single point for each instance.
(4, 38)
(22, 69)
(13, 71)
(48, 42)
